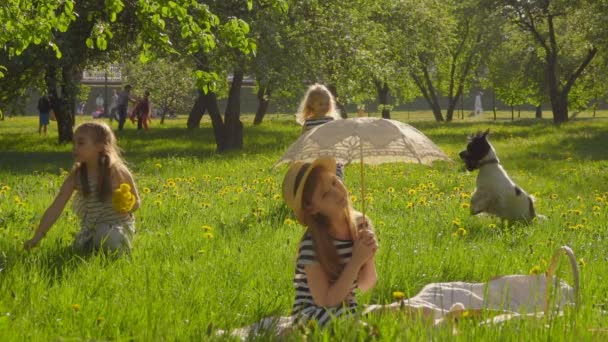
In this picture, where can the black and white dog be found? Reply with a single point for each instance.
(496, 193)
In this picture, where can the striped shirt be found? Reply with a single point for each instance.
(312, 123)
(93, 212)
(304, 305)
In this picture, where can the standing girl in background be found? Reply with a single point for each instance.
(106, 194)
(318, 107)
(336, 253)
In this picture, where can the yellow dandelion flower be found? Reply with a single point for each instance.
(353, 198)
(390, 189)
(158, 165)
(6, 188)
(122, 198)
(157, 202)
(409, 205)
(582, 263)
(75, 307)
(422, 201)
(535, 270)
(398, 295)
(171, 184)
(492, 225)
(208, 235)
(207, 228)
(178, 180)
(595, 208)
(289, 222)
(465, 205)
(554, 196)
(412, 191)
(464, 195)
(146, 190)
(456, 222)
(461, 231)
(100, 320)
(599, 199)
(276, 197)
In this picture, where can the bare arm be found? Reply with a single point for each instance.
(53, 212)
(367, 275)
(328, 294)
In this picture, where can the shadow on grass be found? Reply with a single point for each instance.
(579, 142)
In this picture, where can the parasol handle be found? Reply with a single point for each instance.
(362, 181)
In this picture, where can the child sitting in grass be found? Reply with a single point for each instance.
(106, 194)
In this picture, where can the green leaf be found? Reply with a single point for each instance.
(89, 42)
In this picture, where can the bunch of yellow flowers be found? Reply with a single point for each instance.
(122, 198)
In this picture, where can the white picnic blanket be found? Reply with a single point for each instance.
(522, 294)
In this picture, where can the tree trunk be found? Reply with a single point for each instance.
(512, 113)
(263, 101)
(197, 111)
(383, 93)
(539, 112)
(203, 103)
(428, 91)
(64, 103)
(233, 128)
(339, 106)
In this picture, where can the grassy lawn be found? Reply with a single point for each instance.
(215, 245)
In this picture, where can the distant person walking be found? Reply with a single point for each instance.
(478, 108)
(44, 109)
(114, 106)
(142, 111)
(123, 102)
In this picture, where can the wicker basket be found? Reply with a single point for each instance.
(551, 272)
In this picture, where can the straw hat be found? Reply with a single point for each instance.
(295, 179)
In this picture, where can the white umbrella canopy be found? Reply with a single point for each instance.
(368, 140)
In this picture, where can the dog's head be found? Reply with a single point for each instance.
(478, 148)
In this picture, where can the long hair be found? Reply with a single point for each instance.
(109, 160)
(314, 92)
(318, 228)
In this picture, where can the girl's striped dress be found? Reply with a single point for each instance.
(304, 306)
(98, 219)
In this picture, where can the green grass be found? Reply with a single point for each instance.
(180, 285)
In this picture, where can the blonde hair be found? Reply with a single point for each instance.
(318, 228)
(110, 159)
(314, 92)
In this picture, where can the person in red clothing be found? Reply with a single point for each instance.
(142, 111)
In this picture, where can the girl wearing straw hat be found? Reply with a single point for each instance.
(336, 253)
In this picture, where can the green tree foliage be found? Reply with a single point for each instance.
(568, 32)
(170, 82)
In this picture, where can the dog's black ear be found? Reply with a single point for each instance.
(485, 134)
